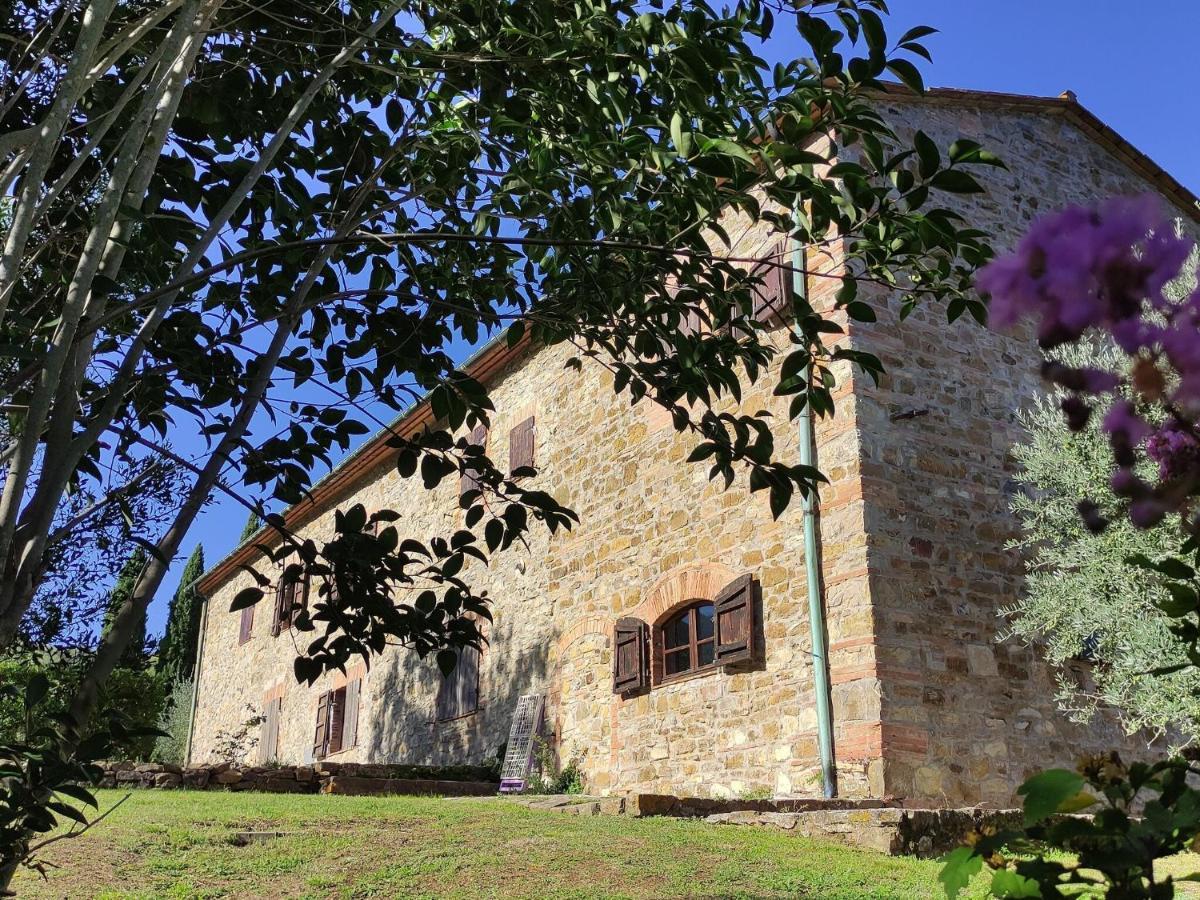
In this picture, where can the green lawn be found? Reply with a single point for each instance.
(178, 844)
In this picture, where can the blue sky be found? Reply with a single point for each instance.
(1130, 64)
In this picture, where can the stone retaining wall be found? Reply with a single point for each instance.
(326, 778)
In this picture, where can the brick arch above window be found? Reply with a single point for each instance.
(680, 586)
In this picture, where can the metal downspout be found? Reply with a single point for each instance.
(812, 562)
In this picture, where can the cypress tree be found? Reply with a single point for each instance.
(177, 653)
(134, 654)
(252, 525)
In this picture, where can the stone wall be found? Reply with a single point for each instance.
(654, 533)
(325, 778)
(966, 717)
(928, 706)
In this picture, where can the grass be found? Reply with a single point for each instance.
(178, 844)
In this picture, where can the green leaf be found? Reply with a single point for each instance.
(958, 868)
(927, 153)
(1046, 791)
(681, 138)
(915, 34)
(908, 74)
(77, 792)
(967, 151)
(728, 148)
(956, 181)
(36, 690)
(1007, 883)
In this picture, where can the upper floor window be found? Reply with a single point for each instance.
(689, 640)
(291, 596)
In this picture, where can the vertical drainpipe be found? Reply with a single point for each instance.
(812, 562)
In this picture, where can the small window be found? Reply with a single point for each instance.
(521, 446)
(468, 481)
(291, 596)
(773, 294)
(458, 693)
(337, 720)
(246, 625)
(688, 640)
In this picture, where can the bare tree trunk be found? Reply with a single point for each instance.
(15, 596)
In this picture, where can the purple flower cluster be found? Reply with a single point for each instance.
(1087, 267)
(1175, 449)
(1106, 267)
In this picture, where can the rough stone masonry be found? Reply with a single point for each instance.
(929, 708)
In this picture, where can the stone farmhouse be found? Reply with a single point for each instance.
(928, 705)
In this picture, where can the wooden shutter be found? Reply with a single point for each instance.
(467, 481)
(520, 445)
(337, 720)
(773, 296)
(246, 626)
(629, 656)
(733, 613)
(458, 695)
(467, 689)
(350, 717)
(269, 749)
(321, 734)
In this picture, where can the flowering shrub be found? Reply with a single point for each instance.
(1106, 268)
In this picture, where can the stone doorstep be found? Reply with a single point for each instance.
(923, 833)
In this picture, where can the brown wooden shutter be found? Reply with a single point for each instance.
(733, 612)
(269, 750)
(629, 656)
(467, 481)
(246, 626)
(350, 718)
(337, 720)
(321, 734)
(467, 694)
(773, 296)
(520, 445)
(458, 695)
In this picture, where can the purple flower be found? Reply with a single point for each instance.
(1174, 449)
(1146, 513)
(1087, 266)
(1126, 484)
(1124, 424)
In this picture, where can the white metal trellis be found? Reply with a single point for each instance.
(518, 759)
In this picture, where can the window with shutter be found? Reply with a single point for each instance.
(773, 293)
(734, 618)
(521, 446)
(350, 721)
(467, 481)
(630, 663)
(269, 746)
(686, 641)
(246, 625)
(291, 596)
(458, 693)
(321, 732)
(337, 720)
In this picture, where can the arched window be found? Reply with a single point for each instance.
(688, 640)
